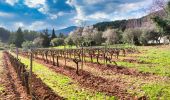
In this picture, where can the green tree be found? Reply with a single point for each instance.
(19, 37)
(53, 34)
(27, 45)
(69, 41)
(132, 36)
(57, 42)
(61, 35)
(46, 38)
(11, 38)
(163, 23)
(4, 34)
(30, 35)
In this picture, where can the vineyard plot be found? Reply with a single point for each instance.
(132, 80)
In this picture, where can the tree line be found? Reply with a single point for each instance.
(98, 34)
(29, 39)
(117, 33)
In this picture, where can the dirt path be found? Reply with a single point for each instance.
(7, 92)
(17, 87)
(40, 90)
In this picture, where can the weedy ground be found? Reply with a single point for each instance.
(63, 85)
(1, 73)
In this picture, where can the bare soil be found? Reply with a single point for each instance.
(40, 90)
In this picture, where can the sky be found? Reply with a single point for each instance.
(58, 14)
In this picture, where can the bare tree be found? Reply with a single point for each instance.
(158, 5)
(110, 35)
(87, 32)
(76, 36)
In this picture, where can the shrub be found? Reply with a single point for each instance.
(57, 42)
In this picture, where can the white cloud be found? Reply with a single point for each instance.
(2, 25)
(35, 3)
(11, 2)
(92, 2)
(80, 15)
(4, 14)
(53, 16)
(17, 25)
(42, 7)
(71, 2)
(99, 16)
(128, 7)
(101, 10)
(38, 25)
(39, 4)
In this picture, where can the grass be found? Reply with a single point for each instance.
(160, 58)
(1, 72)
(110, 46)
(157, 91)
(66, 47)
(62, 85)
(157, 61)
(158, 64)
(1, 88)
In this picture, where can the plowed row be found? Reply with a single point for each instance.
(88, 80)
(40, 90)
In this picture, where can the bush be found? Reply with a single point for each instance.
(132, 36)
(12, 46)
(57, 42)
(69, 41)
(27, 45)
(38, 42)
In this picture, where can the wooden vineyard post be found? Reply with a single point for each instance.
(52, 54)
(77, 71)
(65, 54)
(30, 81)
(57, 60)
(74, 54)
(46, 56)
(105, 55)
(82, 54)
(53, 59)
(98, 56)
(124, 52)
(17, 52)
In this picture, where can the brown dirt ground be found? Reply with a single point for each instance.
(40, 90)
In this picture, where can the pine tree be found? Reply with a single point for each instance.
(53, 34)
(46, 38)
(61, 35)
(19, 37)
